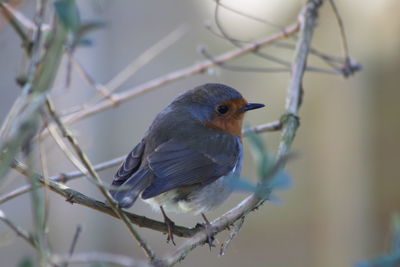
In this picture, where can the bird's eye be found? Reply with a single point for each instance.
(222, 109)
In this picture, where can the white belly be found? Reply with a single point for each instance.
(199, 199)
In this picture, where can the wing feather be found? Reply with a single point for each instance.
(176, 165)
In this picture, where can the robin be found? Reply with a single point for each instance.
(189, 153)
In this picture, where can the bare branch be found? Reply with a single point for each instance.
(237, 44)
(27, 106)
(95, 257)
(45, 201)
(11, 15)
(267, 127)
(74, 196)
(18, 230)
(73, 243)
(69, 154)
(101, 89)
(252, 17)
(63, 178)
(146, 57)
(236, 228)
(179, 74)
(341, 27)
(350, 66)
(86, 162)
(223, 65)
(66, 177)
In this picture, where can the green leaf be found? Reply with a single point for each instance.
(81, 33)
(25, 129)
(68, 13)
(240, 184)
(387, 260)
(260, 155)
(396, 233)
(26, 261)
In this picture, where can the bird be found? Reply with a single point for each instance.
(188, 156)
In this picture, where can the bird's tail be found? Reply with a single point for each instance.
(129, 190)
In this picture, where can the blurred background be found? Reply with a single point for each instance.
(346, 181)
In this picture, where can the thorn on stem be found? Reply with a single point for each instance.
(70, 199)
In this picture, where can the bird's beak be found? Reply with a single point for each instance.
(250, 106)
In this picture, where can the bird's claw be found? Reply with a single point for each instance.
(208, 228)
(170, 225)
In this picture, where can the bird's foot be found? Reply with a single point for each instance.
(209, 232)
(170, 225)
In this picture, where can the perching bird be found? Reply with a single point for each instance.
(189, 153)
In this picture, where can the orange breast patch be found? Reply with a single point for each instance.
(232, 121)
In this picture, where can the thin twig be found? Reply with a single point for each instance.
(350, 66)
(44, 167)
(342, 31)
(15, 193)
(145, 57)
(74, 196)
(69, 154)
(9, 14)
(236, 228)
(63, 178)
(86, 162)
(237, 44)
(28, 105)
(73, 243)
(225, 66)
(18, 230)
(260, 54)
(267, 127)
(38, 203)
(252, 17)
(100, 88)
(179, 74)
(95, 257)
(66, 177)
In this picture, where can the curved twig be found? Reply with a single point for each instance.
(179, 74)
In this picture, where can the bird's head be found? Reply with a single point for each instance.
(217, 106)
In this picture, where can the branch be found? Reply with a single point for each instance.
(24, 115)
(10, 14)
(349, 67)
(92, 172)
(73, 243)
(18, 230)
(267, 127)
(66, 177)
(94, 257)
(63, 178)
(74, 196)
(307, 19)
(236, 228)
(179, 74)
(146, 57)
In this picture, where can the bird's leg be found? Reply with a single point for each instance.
(170, 224)
(210, 235)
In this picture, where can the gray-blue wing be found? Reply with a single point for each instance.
(130, 165)
(131, 177)
(176, 165)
